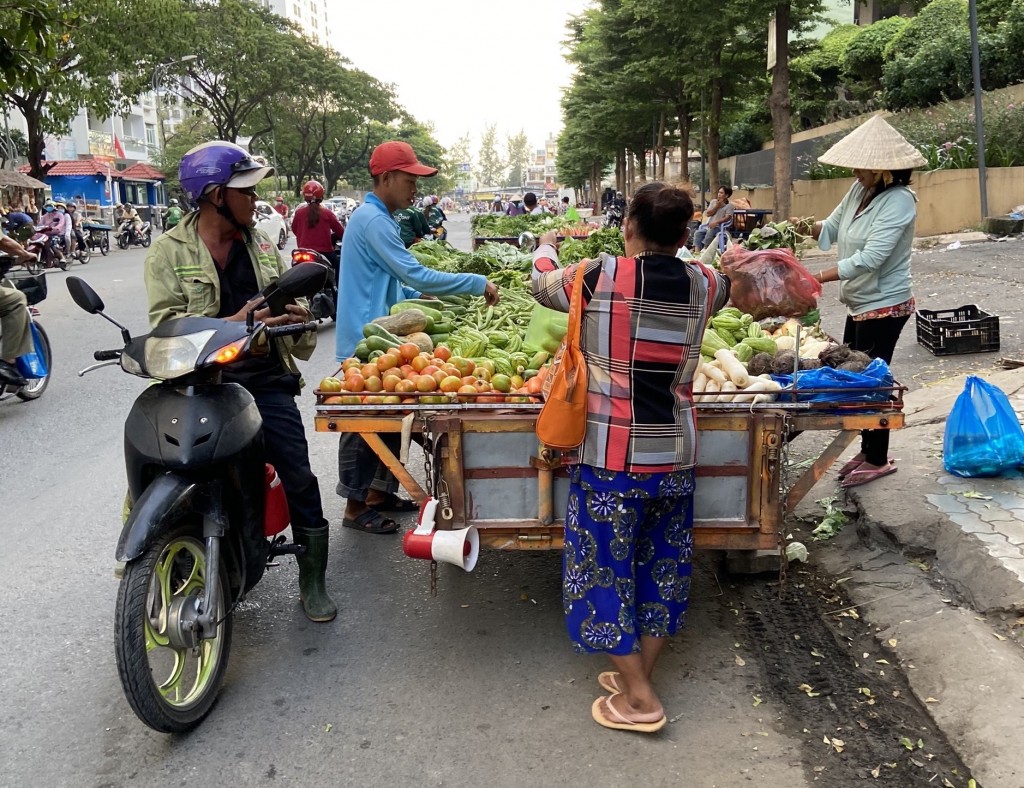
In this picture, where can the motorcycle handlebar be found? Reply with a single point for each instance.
(107, 355)
(290, 329)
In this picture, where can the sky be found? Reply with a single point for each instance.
(465, 64)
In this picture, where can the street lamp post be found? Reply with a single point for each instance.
(158, 70)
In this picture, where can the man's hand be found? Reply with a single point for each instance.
(491, 295)
(293, 314)
(550, 237)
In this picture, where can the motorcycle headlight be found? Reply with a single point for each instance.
(171, 357)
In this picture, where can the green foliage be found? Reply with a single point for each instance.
(491, 166)
(187, 135)
(863, 58)
(518, 155)
(741, 137)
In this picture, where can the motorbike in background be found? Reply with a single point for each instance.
(36, 367)
(126, 235)
(614, 214)
(207, 510)
(323, 304)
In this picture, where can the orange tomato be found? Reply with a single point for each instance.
(469, 391)
(409, 350)
(468, 380)
(451, 383)
(420, 363)
(374, 384)
(392, 399)
(426, 383)
(482, 385)
(330, 384)
(351, 362)
(387, 361)
(439, 376)
(442, 353)
(405, 370)
(534, 385)
(464, 365)
(404, 386)
(355, 382)
(430, 369)
(390, 382)
(369, 370)
(334, 399)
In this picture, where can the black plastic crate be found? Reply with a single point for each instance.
(949, 332)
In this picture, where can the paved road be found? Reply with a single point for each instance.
(475, 687)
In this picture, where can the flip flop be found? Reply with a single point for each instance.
(621, 723)
(851, 466)
(394, 503)
(863, 475)
(608, 681)
(371, 522)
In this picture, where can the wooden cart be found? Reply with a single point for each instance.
(497, 477)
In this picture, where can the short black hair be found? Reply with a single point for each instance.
(727, 189)
(662, 213)
(529, 199)
(565, 199)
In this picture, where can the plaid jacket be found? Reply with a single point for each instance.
(643, 320)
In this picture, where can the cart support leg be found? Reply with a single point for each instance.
(391, 461)
(813, 475)
(545, 496)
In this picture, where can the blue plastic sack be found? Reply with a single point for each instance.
(875, 382)
(983, 436)
(33, 364)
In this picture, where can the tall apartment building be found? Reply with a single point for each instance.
(309, 15)
(542, 172)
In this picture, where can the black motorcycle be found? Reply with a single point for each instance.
(207, 509)
(127, 236)
(36, 368)
(323, 304)
(614, 214)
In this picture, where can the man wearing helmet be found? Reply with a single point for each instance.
(214, 263)
(54, 222)
(281, 206)
(173, 214)
(127, 213)
(377, 271)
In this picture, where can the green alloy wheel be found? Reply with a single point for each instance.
(170, 676)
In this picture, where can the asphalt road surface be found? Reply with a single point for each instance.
(477, 686)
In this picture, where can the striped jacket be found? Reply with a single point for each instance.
(643, 320)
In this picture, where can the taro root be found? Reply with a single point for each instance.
(784, 362)
(856, 355)
(761, 364)
(810, 363)
(855, 365)
(834, 355)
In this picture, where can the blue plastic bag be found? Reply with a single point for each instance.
(33, 364)
(983, 436)
(875, 383)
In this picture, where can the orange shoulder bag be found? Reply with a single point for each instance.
(562, 423)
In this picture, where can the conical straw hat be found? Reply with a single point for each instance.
(874, 145)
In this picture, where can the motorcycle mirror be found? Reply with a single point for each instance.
(83, 295)
(527, 242)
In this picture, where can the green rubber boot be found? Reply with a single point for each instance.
(312, 567)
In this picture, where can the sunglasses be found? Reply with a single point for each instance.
(249, 191)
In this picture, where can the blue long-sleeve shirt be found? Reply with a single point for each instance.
(377, 272)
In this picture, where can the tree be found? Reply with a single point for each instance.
(517, 151)
(189, 133)
(86, 55)
(13, 146)
(863, 59)
(455, 158)
(489, 161)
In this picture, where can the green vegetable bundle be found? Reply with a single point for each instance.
(496, 225)
(774, 235)
(607, 239)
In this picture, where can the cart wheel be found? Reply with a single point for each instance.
(105, 244)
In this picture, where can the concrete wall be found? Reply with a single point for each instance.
(948, 200)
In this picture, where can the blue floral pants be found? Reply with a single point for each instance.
(626, 564)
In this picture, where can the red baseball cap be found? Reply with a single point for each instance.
(394, 155)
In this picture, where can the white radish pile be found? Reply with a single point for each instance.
(725, 379)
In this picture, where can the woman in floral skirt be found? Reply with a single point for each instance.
(629, 523)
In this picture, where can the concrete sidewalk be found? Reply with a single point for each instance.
(936, 565)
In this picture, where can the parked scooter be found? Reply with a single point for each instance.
(127, 236)
(35, 368)
(207, 509)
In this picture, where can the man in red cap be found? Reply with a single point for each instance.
(377, 272)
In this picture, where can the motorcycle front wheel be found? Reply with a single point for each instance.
(122, 241)
(147, 239)
(36, 386)
(170, 685)
(84, 254)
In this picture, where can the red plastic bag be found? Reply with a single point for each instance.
(769, 282)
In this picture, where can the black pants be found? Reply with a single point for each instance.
(287, 450)
(878, 339)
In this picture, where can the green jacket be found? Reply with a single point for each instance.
(181, 279)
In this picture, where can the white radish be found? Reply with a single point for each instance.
(733, 368)
(715, 374)
(757, 387)
(728, 389)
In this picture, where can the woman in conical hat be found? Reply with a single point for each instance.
(873, 228)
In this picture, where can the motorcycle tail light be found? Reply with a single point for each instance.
(301, 256)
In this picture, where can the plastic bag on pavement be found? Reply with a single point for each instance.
(874, 384)
(983, 436)
(769, 282)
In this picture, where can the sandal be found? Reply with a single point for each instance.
(864, 474)
(609, 681)
(847, 469)
(371, 522)
(620, 722)
(394, 503)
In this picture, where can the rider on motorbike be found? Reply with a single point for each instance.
(15, 335)
(55, 223)
(435, 216)
(173, 214)
(213, 264)
(127, 213)
(315, 227)
(75, 228)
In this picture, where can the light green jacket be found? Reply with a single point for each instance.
(181, 279)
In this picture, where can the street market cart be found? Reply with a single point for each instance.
(488, 470)
(97, 236)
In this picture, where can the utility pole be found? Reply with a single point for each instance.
(979, 127)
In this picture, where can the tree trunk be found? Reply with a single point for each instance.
(715, 120)
(31, 108)
(659, 150)
(781, 108)
(683, 119)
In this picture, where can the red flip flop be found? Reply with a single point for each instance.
(851, 466)
(864, 474)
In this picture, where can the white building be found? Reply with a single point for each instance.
(309, 15)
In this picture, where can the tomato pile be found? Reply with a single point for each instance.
(407, 375)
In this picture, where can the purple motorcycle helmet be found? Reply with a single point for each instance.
(219, 163)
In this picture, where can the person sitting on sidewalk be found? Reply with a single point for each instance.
(718, 213)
